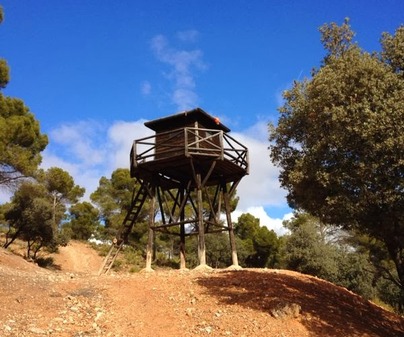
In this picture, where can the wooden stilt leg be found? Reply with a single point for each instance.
(182, 231)
(201, 226)
(150, 241)
(182, 248)
(234, 257)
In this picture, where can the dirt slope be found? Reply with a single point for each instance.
(74, 301)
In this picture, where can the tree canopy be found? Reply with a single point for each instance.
(21, 140)
(61, 189)
(113, 198)
(38, 207)
(257, 245)
(339, 141)
(84, 221)
(29, 215)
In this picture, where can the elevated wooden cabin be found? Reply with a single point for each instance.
(187, 143)
(189, 152)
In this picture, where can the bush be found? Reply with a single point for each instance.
(45, 262)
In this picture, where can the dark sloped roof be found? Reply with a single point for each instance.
(183, 119)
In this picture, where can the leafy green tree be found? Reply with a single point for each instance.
(218, 253)
(245, 229)
(21, 140)
(40, 232)
(247, 226)
(113, 197)
(393, 50)
(307, 250)
(4, 73)
(38, 207)
(340, 140)
(29, 215)
(266, 247)
(257, 246)
(84, 220)
(313, 249)
(61, 189)
(382, 268)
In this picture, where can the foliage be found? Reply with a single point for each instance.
(29, 216)
(21, 140)
(309, 251)
(131, 258)
(37, 209)
(60, 185)
(45, 262)
(218, 253)
(113, 197)
(340, 140)
(61, 190)
(4, 73)
(257, 246)
(393, 50)
(384, 272)
(84, 221)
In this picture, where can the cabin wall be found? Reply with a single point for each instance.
(173, 143)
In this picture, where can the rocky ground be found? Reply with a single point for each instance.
(74, 301)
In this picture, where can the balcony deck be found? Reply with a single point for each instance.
(175, 156)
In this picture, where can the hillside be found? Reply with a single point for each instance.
(74, 301)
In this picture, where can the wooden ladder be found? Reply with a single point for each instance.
(110, 258)
(138, 200)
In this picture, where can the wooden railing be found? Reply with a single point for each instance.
(189, 142)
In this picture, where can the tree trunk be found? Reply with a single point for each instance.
(29, 249)
(37, 249)
(54, 225)
(8, 243)
(396, 253)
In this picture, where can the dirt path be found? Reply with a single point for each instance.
(74, 302)
(77, 257)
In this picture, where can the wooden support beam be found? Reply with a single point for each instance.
(226, 200)
(201, 225)
(150, 241)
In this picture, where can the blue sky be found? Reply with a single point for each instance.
(93, 72)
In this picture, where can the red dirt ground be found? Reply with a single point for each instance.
(74, 301)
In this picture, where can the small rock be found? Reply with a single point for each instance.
(208, 330)
(37, 331)
(189, 311)
(286, 310)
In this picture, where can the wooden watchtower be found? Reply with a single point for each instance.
(189, 162)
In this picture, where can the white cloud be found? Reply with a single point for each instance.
(81, 141)
(121, 136)
(260, 190)
(188, 35)
(261, 187)
(183, 64)
(146, 88)
(265, 220)
(89, 150)
(184, 98)
(101, 149)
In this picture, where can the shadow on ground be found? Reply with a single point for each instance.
(326, 310)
